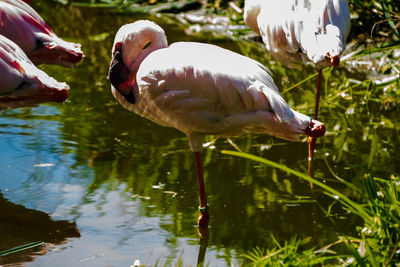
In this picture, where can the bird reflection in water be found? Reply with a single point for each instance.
(20, 225)
(203, 244)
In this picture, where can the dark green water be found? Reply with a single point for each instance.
(104, 187)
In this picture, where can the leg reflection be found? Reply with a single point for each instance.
(203, 242)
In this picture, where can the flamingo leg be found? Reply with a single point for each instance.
(311, 146)
(319, 81)
(312, 140)
(204, 215)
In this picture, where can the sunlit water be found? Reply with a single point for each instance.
(118, 187)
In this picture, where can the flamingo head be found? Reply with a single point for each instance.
(119, 75)
(31, 95)
(324, 50)
(30, 86)
(132, 43)
(33, 91)
(300, 124)
(334, 44)
(315, 129)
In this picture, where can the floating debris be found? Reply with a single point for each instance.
(171, 192)
(142, 197)
(43, 165)
(158, 186)
(136, 263)
(93, 257)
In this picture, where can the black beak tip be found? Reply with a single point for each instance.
(118, 76)
(130, 97)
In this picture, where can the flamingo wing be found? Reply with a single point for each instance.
(202, 88)
(28, 9)
(302, 31)
(199, 88)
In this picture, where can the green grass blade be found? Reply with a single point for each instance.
(21, 248)
(390, 21)
(299, 83)
(331, 192)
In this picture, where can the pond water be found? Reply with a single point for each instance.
(103, 187)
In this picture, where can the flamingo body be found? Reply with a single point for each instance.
(26, 28)
(21, 82)
(301, 31)
(203, 89)
(199, 89)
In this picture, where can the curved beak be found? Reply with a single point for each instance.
(118, 75)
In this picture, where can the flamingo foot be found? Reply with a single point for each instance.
(204, 217)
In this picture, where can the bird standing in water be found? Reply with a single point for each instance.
(302, 31)
(199, 89)
(22, 83)
(23, 25)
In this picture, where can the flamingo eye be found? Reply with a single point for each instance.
(146, 45)
(117, 48)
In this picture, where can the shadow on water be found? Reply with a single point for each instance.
(130, 185)
(20, 225)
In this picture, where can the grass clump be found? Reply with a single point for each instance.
(379, 236)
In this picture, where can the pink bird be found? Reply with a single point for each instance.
(199, 89)
(22, 83)
(27, 29)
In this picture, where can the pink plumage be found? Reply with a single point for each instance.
(27, 29)
(22, 83)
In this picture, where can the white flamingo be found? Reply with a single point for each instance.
(302, 31)
(22, 83)
(22, 24)
(199, 89)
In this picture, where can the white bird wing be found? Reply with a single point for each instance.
(27, 8)
(297, 31)
(211, 82)
(325, 27)
(279, 29)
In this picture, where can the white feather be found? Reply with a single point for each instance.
(300, 31)
(204, 89)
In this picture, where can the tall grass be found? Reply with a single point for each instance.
(379, 236)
